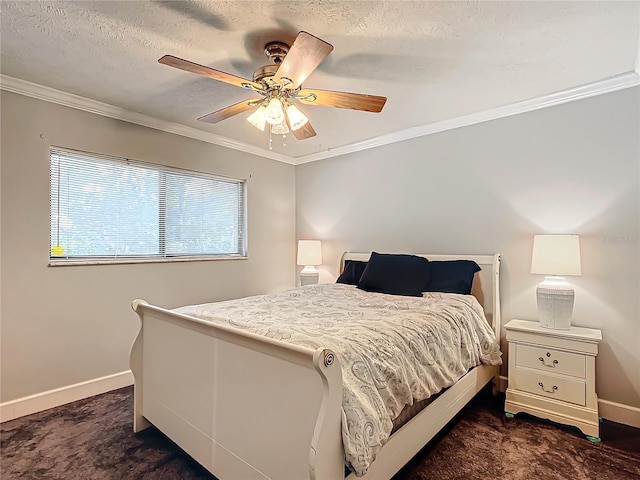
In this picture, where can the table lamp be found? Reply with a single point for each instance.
(309, 255)
(555, 256)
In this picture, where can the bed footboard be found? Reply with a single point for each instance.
(242, 405)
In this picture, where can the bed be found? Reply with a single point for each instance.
(261, 406)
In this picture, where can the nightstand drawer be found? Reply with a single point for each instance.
(550, 360)
(550, 386)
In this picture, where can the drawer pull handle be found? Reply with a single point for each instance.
(550, 365)
(553, 389)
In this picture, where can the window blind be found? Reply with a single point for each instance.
(114, 208)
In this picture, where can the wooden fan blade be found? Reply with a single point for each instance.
(305, 131)
(306, 53)
(353, 101)
(227, 112)
(188, 66)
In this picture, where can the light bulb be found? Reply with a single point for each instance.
(280, 128)
(296, 118)
(274, 112)
(258, 118)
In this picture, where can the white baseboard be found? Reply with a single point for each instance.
(617, 412)
(60, 396)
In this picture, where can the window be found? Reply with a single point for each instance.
(114, 209)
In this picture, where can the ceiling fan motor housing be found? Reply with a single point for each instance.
(276, 51)
(265, 72)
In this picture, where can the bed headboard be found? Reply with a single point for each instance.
(486, 283)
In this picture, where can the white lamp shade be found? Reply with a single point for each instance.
(309, 252)
(556, 255)
(280, 128)
(274, 114)
(258, 118)
(297, 119)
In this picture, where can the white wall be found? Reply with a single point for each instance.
(65, 325)
(490, 187)
(479, 189)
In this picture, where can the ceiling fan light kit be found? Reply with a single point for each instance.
(280, 85)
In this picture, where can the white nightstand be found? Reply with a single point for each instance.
(552, 374)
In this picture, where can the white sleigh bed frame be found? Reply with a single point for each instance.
(249, 407)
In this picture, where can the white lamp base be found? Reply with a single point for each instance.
(555, 303)
(309, 275)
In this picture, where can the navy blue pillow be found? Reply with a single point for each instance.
(395, 274)
(451, 276)
(352, 272)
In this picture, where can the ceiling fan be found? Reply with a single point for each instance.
(280, 87)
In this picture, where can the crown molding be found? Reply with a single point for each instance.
(22, 87)
(612, 84)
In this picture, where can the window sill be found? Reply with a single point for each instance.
(126, 261)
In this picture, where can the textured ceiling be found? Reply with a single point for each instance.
(433, 60)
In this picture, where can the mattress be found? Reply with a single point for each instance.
(394, 351)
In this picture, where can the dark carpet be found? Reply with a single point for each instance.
(93, 439)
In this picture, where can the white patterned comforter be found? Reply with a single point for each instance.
(393, 350)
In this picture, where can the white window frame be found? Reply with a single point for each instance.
(154, 258)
